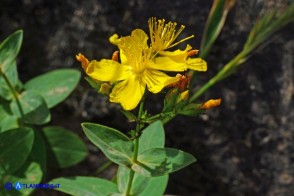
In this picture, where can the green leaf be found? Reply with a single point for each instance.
(81, 186)
(93, 83)
(28, 173)
(10, 47)
(142, 185)
(170, 100)
(38, 153)
(64, 148)
(214, 24)
(192, 109)
(7, 120)
(34, 108)
(114, 144)
(156, 186)
(15, 146)
(161, 161)
(54, 86)
(138, 185)
(152, 137)
(10, 71)
(266, 26)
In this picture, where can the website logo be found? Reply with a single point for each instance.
(8, 186)
(18, 186)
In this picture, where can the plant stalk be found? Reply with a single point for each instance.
(13, 91)
(136, 147)
(227, 70)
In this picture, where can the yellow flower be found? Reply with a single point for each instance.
(133, 72)
(140, 66)
(162, 37)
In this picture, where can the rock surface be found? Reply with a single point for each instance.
(244, 147)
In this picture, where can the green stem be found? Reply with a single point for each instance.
(136, 147)
(223, 73)
(14, 93)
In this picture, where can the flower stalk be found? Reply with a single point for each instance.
(136, 145)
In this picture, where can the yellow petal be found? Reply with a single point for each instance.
(128, 93)
(179, 56)
(139, 36)
(114, 39)
(157, 80)
(167, 64)
(135, 50)
(107, 70)
(196, 64)
(123, 58)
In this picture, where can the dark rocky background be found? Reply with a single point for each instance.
(244, 147)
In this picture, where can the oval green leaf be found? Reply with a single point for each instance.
(54, 86)
(10, 47)
(15, 147)
(156, 186)
(114, 144)
(81, 186)
(161, 161)
(64, 148)
(152, 137)
(34, 108)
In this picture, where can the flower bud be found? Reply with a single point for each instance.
(212, 103)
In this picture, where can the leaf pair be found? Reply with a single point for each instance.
(151, 169)
(119, 149)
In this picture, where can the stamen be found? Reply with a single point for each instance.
(192, 52)
(163, 35)
(84, 61)
(115, 56)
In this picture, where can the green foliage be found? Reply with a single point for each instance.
(23, 155)
(192, 109)
(64, 148)
(11, 71)
(34, 108)
(115, 145)
(90, 186)
(152, 137)
(13, 142)
(28, 173)
(54, 86)
(10, 47)
(214, 24)
(261, 31)
(266, 26)
(170, 100)
(161, 161)
(93, 83)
